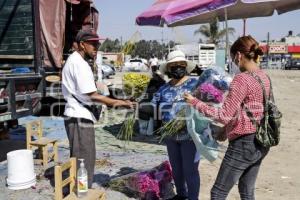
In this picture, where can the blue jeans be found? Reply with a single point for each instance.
(240, 164)
(185, 170)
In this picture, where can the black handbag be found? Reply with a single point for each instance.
(218, 131)
(94, 109)
(268, 131)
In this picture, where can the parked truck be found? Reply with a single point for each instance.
(203, 55)
(36, 36)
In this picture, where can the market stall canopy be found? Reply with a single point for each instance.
(188, 12)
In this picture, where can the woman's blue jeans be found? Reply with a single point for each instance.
(240, 164)
(185, 169)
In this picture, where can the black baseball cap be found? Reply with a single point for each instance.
(83, 36)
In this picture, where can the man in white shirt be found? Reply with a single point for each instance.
(79, 90)
(101, 86)
(153, 63)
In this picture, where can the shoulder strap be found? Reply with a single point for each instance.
(79, 100)
(250, 115)
(271, 96)
(265, 100)
(83, 104)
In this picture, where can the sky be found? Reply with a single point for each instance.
(117, 20)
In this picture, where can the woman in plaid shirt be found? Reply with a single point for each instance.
(244, 155)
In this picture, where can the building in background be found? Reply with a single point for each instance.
(204, 55)
(277, 54)
(292, 40)
(116, 59)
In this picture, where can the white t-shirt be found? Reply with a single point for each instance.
(77, 79)
(99, 67)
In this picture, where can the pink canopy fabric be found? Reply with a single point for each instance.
(52, 31)
(187, 12)
(57, 32)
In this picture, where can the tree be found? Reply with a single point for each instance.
(212, 32)
(145, 49)
(142, 49)
(156, 49)
(111, 46)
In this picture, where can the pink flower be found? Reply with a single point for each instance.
(146, 184)
(151, 181)
(210, 93)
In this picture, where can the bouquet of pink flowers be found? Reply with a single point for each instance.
(211, 88)
(147, 185)
(150, 183)
(208, 92)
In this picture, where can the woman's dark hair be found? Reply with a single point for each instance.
(248, 46)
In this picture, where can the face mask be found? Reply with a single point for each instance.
(234, 69)
(177, 72)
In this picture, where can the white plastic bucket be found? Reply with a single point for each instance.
(20, 169)
(146, 127)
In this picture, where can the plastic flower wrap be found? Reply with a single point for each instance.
(217, 77)
(198, 127)
(212, 88)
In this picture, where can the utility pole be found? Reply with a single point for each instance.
(227, 38)
(121, 43)
(268, 47)
(162, 36)
(162, 42)
(245, 23)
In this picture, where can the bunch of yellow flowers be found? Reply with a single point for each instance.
(135, 84)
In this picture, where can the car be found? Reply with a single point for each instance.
(108, 70)
(292, 63)
(264, 64)
(135, 65)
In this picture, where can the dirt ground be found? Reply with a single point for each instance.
(279, 177)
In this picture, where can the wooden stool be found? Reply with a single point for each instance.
(93, 194)
(35, 128)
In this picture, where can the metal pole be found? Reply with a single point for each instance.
(162, 36)
(244, 28)
(162, 42)
(227, 37)
(268, 47)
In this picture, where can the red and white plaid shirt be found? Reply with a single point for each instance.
(243, 89)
